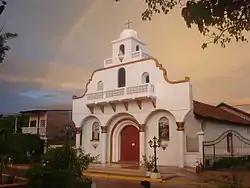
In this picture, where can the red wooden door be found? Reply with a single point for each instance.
(130, 144)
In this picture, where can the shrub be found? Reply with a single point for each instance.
(231, 182)
(61, 167)
(232, 162)
(148, 163)
(17, 146)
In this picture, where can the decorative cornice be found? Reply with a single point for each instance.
(180, 126)
(104, 129)
(132, 62)
(142, 127)
(78, 130)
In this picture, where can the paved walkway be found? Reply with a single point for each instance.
(170, 175)
(101, 183)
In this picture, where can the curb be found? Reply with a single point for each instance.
(19, 167)
(161, 181)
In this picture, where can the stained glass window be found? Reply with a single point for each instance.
(163, 125)
(95, 131)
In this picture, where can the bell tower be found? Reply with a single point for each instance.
(127, 48)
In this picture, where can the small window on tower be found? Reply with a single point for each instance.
(145, 78)
(122, 49)
(137, 48)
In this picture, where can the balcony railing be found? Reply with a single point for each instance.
(136, 54)
(34, 130)
(108, 61)
(140, 53)
(144, 90)
(29, 130)
(42, 131)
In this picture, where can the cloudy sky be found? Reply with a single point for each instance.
(61, 42)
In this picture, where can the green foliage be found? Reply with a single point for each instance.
(61, 167)
(4, 37)
(8, 122)
(3, 44)
(148, 163)
(17, 145)
(233, 162)
(231, 182)
(3, 153)
(220, 20)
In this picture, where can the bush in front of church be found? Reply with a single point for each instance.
(17, 145)
(61, 167)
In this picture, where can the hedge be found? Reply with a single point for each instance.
(17, 145)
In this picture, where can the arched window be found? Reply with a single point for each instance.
(163, 126)
(122, 49)
(145, 78)
(95, 131)
(137, 48)
(100, 86)
(121, 77)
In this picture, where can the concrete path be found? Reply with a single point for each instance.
(102, 183)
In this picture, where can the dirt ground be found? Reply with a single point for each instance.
(218, 176)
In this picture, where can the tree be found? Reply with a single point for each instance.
(220, 20)
(61, 167)
(4, 37)
(8, 122)
(4, 159)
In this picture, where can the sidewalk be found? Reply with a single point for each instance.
(169, 175)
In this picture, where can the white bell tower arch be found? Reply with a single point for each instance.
(127, 47)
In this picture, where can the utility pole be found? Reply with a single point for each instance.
(15, 124)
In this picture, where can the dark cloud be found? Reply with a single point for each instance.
(13, 98)
(41, 26)
(12, 101)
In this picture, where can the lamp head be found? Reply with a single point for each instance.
(159, 143)
(150, 143)
(155, 139)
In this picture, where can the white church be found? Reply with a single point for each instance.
(131, 99)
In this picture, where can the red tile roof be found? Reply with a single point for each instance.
(233, 108)
(203, 110)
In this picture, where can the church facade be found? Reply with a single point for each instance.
(131, 100)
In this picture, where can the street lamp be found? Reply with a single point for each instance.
(156, 143)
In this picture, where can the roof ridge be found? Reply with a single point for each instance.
(209, 111)
(234, 108)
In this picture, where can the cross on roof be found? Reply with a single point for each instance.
(128, 23)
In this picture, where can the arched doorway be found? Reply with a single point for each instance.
(130, 144)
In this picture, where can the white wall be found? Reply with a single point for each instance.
(214, 129)
(192, 127)
(169, 156)
(87, 137)
(172, 97)
(175, 99)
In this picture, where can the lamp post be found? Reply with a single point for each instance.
(155, 144)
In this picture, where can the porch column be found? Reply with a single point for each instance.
(142, 141)
(180, 129)
(103, 144)
(78, 137)
(200, 144)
